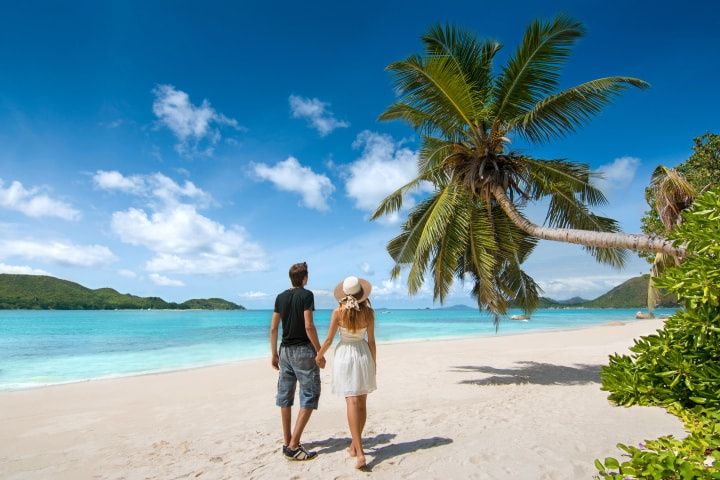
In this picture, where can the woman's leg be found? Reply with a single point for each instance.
(354, 422)
(362, 412)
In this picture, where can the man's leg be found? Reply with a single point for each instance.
(300, 423)
(308, 375)
(286, 414)
(285, 394)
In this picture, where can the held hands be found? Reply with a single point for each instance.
(275, 361)
(320, 360)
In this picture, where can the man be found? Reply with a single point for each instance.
(296, 360)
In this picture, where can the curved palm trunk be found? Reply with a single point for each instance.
(587, 238)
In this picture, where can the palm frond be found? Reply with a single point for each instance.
(481, 259)
(547, 175)
(473, 58)
(434, 86)
(394, 201)
(534, 70)
(562, 113)
(433, 155)
(612, 257)
(449, 252)
(416, 118)
(515, 243)
(438, 217)
(402, 247)
(520, 287)
(672, 194)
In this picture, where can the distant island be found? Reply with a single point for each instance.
(632, 293)
(40, 292)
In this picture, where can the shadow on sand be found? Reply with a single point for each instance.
(378, 448)
(332, 445)
(534, 373)
(392, 450)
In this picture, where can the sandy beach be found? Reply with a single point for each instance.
(523, 406)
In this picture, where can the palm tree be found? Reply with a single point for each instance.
(472, 226)
(671, 194)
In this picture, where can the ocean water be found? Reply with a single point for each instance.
(49, 347)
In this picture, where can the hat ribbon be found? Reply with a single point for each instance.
(349, 302)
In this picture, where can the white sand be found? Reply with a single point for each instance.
(523, 406)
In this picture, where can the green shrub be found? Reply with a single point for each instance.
(679, 366)
(697, 456)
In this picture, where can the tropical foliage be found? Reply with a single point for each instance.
(669, 194)
(698, 173)
(471, 227)
(673, 190)
(679, 366)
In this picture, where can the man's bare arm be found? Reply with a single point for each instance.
(313, 336)
(274, 323)
(311, 330)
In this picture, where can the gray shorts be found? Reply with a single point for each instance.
(297, 364)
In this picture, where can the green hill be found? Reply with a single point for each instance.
(630, 294)
(210, 304)
(40, 292)
(573, 301)
(544, 302)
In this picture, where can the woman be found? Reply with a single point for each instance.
(354, 366)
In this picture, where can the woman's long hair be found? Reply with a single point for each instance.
(353, 319)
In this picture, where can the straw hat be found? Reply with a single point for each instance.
(354, 286)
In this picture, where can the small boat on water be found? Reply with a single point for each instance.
(520, 317)
(644, 315)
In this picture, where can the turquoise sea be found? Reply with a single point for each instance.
(49, 347)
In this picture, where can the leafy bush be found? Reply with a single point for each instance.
(695, 457)
(679, 366)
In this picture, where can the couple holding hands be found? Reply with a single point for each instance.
(301, 356)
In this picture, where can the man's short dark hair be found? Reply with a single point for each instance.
(298, 272)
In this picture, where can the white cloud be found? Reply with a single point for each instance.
(322, 292)
(124, 272)
(185, 241)
(34, 203)
(155, 186)
(289, 175)
(197, 127)
(114, 180)
(390, 287)
(59, 252)
(317, 114)
(21, 270)
(254, 295)
(383, 167)
(163, 281)
(366, 269)
(617, 175)
(588, 286)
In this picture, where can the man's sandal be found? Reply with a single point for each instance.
(299, 454)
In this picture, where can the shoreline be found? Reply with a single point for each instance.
(520, 406)
(221, 363)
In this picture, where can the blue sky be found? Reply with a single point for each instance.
(187, 150)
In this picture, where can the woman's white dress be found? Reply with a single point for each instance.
(353, 367)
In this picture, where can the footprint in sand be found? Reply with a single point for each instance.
(480, 459)
(438, 419)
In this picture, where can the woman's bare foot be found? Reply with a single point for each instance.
(351, 451)
(361, 463)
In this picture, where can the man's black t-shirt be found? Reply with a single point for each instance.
(291, 305)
